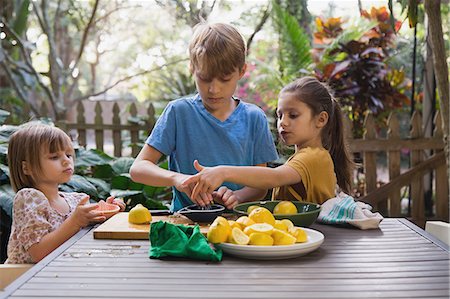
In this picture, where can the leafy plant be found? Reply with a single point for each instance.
(356, 69)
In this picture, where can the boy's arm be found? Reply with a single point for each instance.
(145, 171)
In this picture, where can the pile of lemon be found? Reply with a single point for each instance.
(258, 228)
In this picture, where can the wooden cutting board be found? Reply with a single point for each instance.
(118, 227)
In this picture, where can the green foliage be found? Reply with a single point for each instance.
(295, 47)
(354, 64)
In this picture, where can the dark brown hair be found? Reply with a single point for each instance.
(27, 144)
(318, 97)
(216, 50)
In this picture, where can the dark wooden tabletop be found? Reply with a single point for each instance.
(399, 260)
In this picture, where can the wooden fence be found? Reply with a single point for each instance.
(118, 129)
(385, 198)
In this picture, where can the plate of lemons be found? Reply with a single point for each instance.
(274, 252)
(261, 236)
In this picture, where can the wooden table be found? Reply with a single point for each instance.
(398, 261)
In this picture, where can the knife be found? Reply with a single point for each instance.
(161, 212)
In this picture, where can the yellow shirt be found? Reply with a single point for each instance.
(316, 169)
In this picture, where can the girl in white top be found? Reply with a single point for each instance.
(40, 157)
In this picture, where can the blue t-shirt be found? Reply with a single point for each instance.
(186, 131)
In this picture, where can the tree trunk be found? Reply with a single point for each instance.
(433, 10)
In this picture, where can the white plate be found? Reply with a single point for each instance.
(315, 239)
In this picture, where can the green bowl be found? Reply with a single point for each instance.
(307, 211)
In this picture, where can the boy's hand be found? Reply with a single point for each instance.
(85, 213)
(116, 201)
(206, 181)
(201, 199)
(226, 196)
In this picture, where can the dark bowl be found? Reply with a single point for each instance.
(307, 211)
(196, 214)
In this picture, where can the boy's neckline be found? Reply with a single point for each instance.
(236, 102)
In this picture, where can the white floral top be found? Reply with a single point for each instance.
(33, 218)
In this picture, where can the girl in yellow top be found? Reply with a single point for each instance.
(310, 119)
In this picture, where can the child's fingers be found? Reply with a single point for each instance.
(110, 199)
(120, 203)
(221, 191)
(195, 191)
(197, 166)
(190, 181)
(84, 200)
(226, 196)
(90, 207)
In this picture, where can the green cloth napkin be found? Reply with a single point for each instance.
(167, 239)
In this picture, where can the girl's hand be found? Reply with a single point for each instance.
(226, 196)
(85, 214)
(201, 199)
(206, 181)
(117, 201)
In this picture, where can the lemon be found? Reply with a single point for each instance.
(244, 221)
(219, 230)
(234, 224)
(288, 223)
(139, 215)
(237, 236)
(259, 228)
(281, 225)
(299, 234)
(262, 215)
(260, 239)
(251, 208)
(282, 238)
(285, 207)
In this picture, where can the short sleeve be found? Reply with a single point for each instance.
(303, 162)
(263, 145)
(31, 217)
(163, 136)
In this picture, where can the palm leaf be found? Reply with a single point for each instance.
(294, 44)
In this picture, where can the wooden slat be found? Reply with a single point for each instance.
(417, 189)
(99, 122)
(134, 134)
(394, 165)
(369, 159)
(117, 138)
(381, 145)
(80, 121)
(442, 180)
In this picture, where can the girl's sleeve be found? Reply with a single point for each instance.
(163, 136)
(31, 217)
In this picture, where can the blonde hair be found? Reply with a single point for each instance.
(27, 145)
(216, 50)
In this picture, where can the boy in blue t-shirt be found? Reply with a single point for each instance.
(212, 126)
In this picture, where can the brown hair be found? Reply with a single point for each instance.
(318, 96)
(216, 50)
(27, 144)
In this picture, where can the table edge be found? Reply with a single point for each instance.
(15, 285)
(424, 233)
